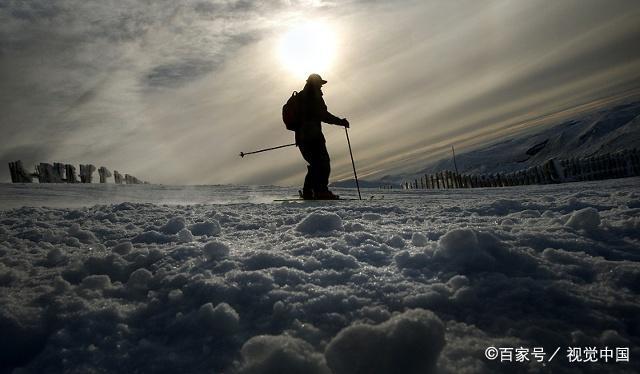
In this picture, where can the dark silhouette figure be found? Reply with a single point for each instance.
(310, 139)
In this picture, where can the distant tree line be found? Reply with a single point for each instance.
(620, 164)
(66, 173)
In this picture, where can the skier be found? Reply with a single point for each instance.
(311, 142)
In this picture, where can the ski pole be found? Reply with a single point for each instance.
(353, 163)
(242, 154)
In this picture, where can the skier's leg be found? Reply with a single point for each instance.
(309, 179)
(323, 163)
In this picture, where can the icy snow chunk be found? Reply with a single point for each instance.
(96, 282)
(150, 237)
(419, 240)
(209, 228)
(255, 282)
(265, 354)
(371, 216)
(139, 279)
(408, 343)
(175, 295)
(222, 318)
(587, 219)
(458, 281)
(501, 207)
(185, 236)
(462, 249)
(396, 242)
(409, 260)
(173, 226)
(320, 222)
(507, 222)
(84, 236)
(55, 257)
(123, 248)
(528, 213)
(74, 214)
(215, 250)
(335, 260)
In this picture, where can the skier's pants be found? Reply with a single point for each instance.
(319, 168)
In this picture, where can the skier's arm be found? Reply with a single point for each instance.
(330, 118)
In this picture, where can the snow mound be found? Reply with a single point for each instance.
(587, 219)
(84, 236)
(467, 250)
(122, 248)
(320, 222)
(372, 216)
(222, 318)
(150, 237)
(184, 236)
(208, 228)
(269, 354)
(462, 249)
(216, 251)
(396, 242)
(408, 343)
(419, 240)
(173, 226)
(139, 280)
(96, 282)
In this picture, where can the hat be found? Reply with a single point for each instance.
(316, 79)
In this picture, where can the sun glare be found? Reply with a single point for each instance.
(308, 48)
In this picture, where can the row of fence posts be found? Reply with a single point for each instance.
(607, 166)
(66, 173)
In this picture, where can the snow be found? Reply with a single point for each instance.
(216, 250)
(413, 339)
(216, 279)
(320, 222)
(586, 219)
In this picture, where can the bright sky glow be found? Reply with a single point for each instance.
(307, 48)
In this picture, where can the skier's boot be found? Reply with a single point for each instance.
(326, 195)
(306, 194)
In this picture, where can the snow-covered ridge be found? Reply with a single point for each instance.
(605, 131)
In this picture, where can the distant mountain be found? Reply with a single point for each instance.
(604, 131)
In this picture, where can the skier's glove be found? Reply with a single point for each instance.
(344, 123)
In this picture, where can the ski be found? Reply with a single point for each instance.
(315, 201)
(299, 198)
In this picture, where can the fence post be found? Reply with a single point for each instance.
(104, 173)
(117, 177)
(70, 172)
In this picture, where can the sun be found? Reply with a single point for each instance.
(307, 48)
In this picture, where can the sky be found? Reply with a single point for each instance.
(172, 91)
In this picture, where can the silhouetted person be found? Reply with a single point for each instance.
(311, 142)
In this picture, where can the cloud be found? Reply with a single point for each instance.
(173, 74)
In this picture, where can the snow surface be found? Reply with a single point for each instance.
(159, 279)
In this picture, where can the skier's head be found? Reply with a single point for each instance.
(316, 80)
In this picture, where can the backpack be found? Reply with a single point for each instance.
(291, 112)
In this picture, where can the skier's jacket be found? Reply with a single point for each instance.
(313, 111)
